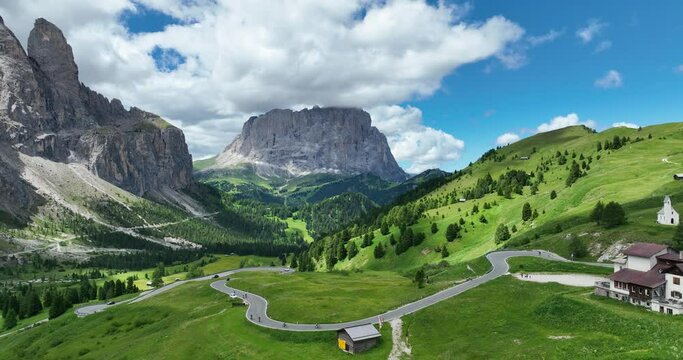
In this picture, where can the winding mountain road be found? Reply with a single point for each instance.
(258, 306)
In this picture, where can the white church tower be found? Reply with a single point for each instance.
(667, 216)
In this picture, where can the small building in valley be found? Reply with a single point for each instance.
(650, 276)
(668, 215)
(358, 338)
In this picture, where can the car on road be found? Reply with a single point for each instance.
(111, 303)
(233, 295)
(215, 276)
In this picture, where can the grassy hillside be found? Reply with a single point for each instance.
(637, 175)
(545, 321)
(190, 322)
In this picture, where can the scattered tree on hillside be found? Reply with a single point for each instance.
(526, 212)
(513, 229)
(596, 214)
(574, 174)
(379, 251)
(435, 228)
(452, 232)
(392, 239)
(483, 220)
(444, 252)
(420, 278)
(295, 264)
(577, 248)
(502, 233)
(195, 271)
(553, 195)
(534, 215)
(58, 306)
(10, 319)
(613, 215)
(353, 250)
(384, 229)
(158, 274)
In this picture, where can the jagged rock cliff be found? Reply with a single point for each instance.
(318, 140)
(45, 111)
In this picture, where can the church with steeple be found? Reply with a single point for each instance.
(668, 215)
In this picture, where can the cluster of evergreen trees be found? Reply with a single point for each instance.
(609, 216)
(334, 214)
(25, 301)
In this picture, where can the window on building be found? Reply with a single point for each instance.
(677, 280)
(669, 311)
(647, 292)
(676, 294)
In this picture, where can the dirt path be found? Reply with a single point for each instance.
(399, 345)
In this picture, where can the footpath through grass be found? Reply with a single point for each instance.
(512, 319)
(190, 322)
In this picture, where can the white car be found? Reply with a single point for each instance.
(233, 295)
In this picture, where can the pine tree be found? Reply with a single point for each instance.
(58, 306)
(384, 229)
(420, 278)
(577, 248)
(353, 250)
(158, 274)
(379, 251)
(574, 174)
(613, 215)
(444, 252)
(435, 229)
(596, 214)
(452, 232)
(526, 212)
(294, 264)
(392, 239)
(553, 195)
(10, 319)
(502, 233)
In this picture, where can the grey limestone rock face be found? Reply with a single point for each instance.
(317, 140)
(45, 111)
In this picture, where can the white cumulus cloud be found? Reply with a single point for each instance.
(413, 142)
(591, 30)
(612, 79)
(507, 138)
(626, 125)
(244, 57)
(560, 122)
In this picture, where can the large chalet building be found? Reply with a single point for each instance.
(648, 275)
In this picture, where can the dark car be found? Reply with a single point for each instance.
(215, 276)
(111, 303)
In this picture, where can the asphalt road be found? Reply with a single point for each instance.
(258, 306)
(91, 309)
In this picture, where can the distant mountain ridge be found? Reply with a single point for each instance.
(286, 143)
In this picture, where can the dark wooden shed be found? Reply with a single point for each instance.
(358, 338)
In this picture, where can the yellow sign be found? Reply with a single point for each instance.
(342, 344)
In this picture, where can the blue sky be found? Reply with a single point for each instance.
(443, 80)
(647, 46)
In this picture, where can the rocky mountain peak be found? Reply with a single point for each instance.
(318, 140)
(48, 47)
(45, 111)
